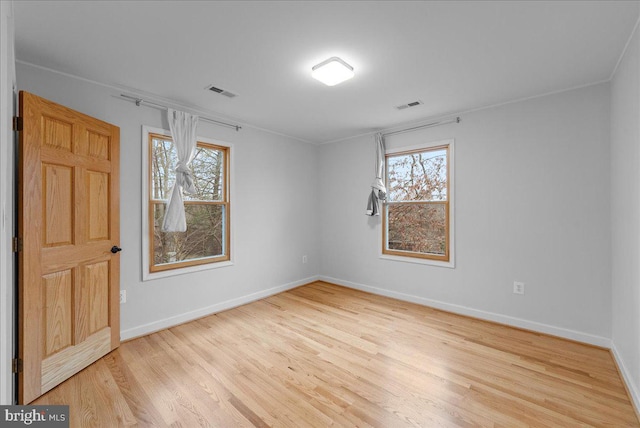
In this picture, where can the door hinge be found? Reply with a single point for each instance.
(17, 244)
(17, 123)
(16, 365)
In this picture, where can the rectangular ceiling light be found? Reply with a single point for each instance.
(332, 71)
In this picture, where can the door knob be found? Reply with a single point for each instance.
(115, 249)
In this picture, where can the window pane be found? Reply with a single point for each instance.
(207, 168)
(204, 236)
(163, 159)
(418, 228)
(418, 176)
(208, 174)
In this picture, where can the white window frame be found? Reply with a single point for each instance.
(146, 274)
(451, 195)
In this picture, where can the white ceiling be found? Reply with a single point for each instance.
(454, 56)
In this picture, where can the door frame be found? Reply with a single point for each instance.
(8, 207)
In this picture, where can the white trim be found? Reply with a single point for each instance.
(475, 313)
(209, 310)
(7, 218)
(452, 211)
(196, 109)
(161, 100)
(150, 276)
(454, 113)
(416, 147)
(146, 275)
(417, 260)
(626, 378)
(624, 50)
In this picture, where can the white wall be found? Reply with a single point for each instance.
(7, 183)
(532, 205)
(275, 210)
(625, 217)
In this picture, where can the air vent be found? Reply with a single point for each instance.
(220, 91)
(411, 104)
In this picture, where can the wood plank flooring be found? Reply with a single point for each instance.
(323, 355)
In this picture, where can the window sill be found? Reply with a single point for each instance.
(149, 276)
(449, 264)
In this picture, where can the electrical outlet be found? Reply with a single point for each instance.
(304, 258)
(123, 296)
(518, 287)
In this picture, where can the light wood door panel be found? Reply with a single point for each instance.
(68, 221)
(58, 204)
(58, 289)
(98, 205)
(96, 279)
(57, 133)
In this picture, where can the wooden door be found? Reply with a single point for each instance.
(69, 313)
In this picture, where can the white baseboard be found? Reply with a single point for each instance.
(489, 316)
(627, 378)
(162, 324)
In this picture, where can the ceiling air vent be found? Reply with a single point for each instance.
(411, 104)
(220, 91)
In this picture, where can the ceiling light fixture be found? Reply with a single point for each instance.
(332, 71)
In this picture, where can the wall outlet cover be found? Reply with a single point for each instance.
(518, 287)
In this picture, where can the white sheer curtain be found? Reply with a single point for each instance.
(378, 190)
(183, 131)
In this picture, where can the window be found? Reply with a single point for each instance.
(207, 238)
(417, 217)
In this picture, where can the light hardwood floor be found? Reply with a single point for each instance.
(323, 355)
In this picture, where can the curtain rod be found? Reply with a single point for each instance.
(140, 101)
(428, 125)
